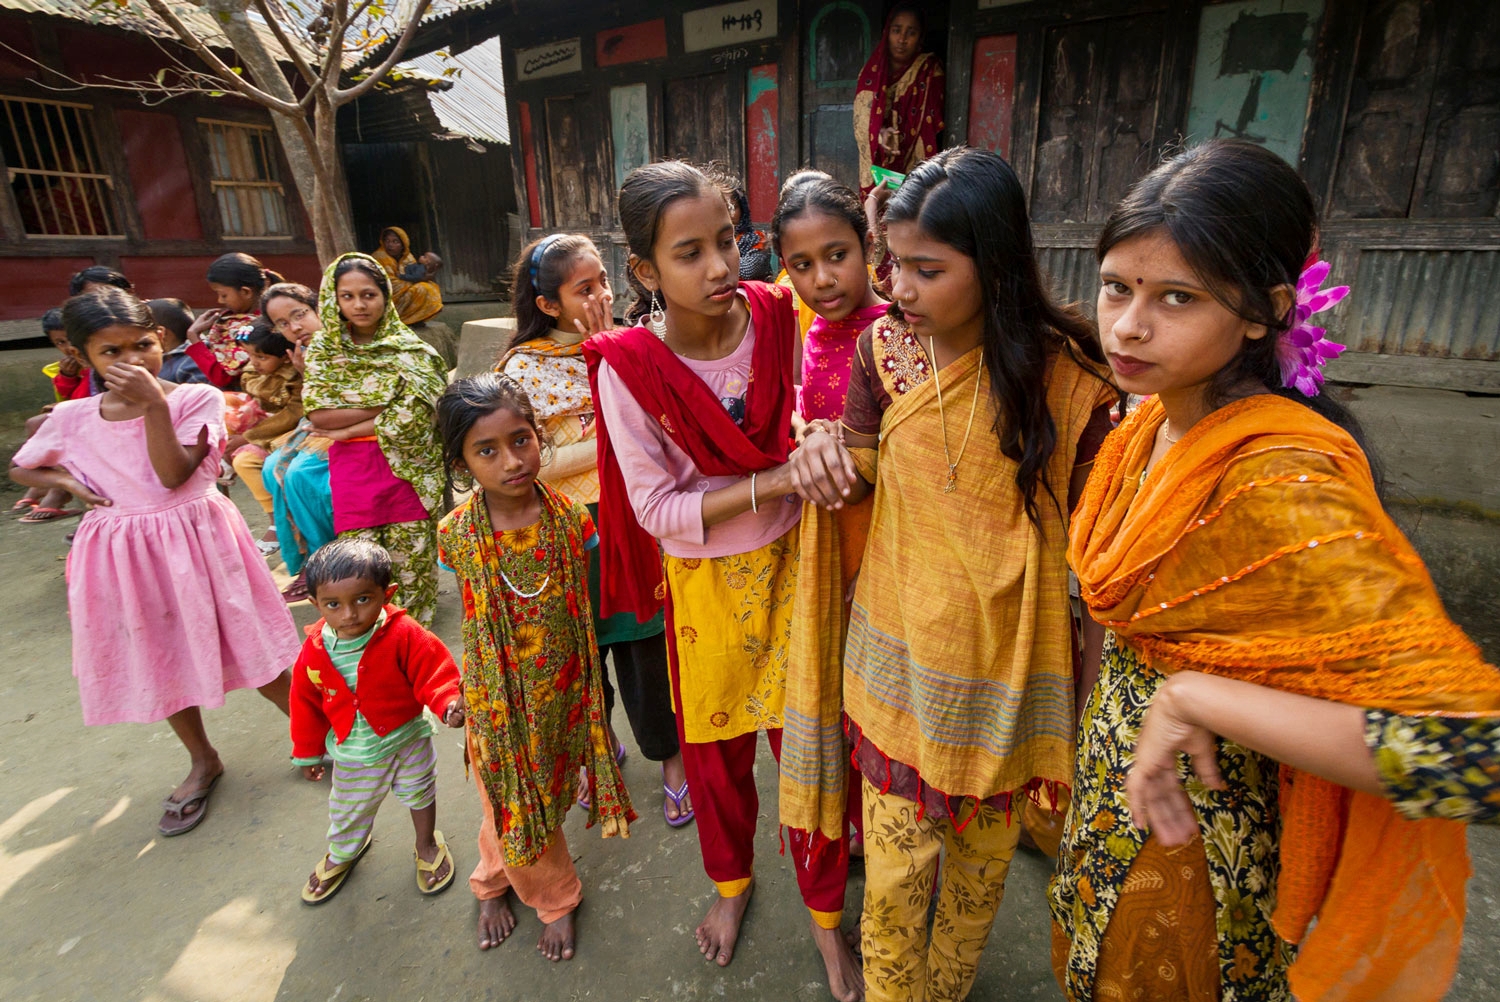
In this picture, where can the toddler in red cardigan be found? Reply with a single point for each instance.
(358, 689)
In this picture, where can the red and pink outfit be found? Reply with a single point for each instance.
(671, 429)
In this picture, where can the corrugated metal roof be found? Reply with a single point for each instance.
(136, 16)
(475, 105)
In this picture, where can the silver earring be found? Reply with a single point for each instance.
(657, 322)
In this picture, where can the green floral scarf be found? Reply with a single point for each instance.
(533, 682)
(397, 370)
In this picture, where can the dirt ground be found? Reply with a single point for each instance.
(94, 905)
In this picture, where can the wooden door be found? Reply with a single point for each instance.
(840, 37)
(1098, 115)
(704, 119)
(579, 163)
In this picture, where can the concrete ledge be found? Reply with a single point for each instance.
(1437, 446)
(480, 342)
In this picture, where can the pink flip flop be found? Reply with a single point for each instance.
(39, 515)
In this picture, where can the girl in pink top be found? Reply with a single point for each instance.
(172, 605)
(819, 233)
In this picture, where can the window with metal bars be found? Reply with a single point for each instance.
(246, 180)
(52, 163)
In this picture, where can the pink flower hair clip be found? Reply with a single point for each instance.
(1304, 349)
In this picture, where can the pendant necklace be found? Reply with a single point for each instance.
(952, 484)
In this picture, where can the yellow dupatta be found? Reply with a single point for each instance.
(958, 660)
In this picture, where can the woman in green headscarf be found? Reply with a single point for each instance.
(372, 386)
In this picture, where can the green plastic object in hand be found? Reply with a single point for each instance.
(891, 178)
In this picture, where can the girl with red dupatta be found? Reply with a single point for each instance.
(898, 106)
(694, 414)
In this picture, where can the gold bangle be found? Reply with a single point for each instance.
(754, 507)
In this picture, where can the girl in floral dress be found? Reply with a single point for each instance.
(531, 670)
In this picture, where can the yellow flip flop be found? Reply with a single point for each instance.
(332, 877)
(424, 867)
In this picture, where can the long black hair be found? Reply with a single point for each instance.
(467, 400)
(540, 271)
(88, 313)
(1245, 222)
(972, 201)
(241, 271)
(814, 191)
(98, 274)
(644, 196)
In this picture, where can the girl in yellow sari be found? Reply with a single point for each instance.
(416, 296)
(958, 676)
(1232, 526)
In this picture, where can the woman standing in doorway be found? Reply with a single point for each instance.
(898, 107)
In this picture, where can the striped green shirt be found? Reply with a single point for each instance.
(363, 746)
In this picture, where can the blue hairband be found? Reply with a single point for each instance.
(540, 252)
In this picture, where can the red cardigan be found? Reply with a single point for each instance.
(402, 668)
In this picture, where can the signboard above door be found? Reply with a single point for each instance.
(728, 24)
(551, 60)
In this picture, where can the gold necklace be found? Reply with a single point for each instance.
(952, 484)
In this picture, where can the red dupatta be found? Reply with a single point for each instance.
(693, 418)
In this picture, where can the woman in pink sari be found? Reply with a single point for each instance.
(898, 107)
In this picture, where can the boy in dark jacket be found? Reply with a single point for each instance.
(358, 689)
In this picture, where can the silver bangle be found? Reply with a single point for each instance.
(754, 507)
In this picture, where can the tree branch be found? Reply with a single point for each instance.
(346, 94)
(286, 43)
(233, 79)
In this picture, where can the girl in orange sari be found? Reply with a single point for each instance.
(1232, 526)
(898, 106)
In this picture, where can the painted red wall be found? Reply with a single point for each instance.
(631, 43)
(762, 101)
(17, 35)
(183, 277)
(30, 286)
(528, 164)
(159, 175)
(992, 93)
(87, 52)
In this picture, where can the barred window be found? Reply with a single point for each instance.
(246, 180)
(52, 164)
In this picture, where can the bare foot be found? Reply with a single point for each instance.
(496, 921)
(557, 939)
(428, 853)
(846, 978)
(720, 928)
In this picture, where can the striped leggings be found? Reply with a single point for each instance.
(359, 788)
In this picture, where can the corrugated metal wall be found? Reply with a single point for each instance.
(475, 193)
(1443, 304)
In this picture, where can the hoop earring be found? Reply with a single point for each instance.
(657, 322)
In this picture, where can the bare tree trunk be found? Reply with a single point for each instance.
(311, 151)
(333, 191)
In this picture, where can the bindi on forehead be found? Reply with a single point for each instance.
(1140, 281)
